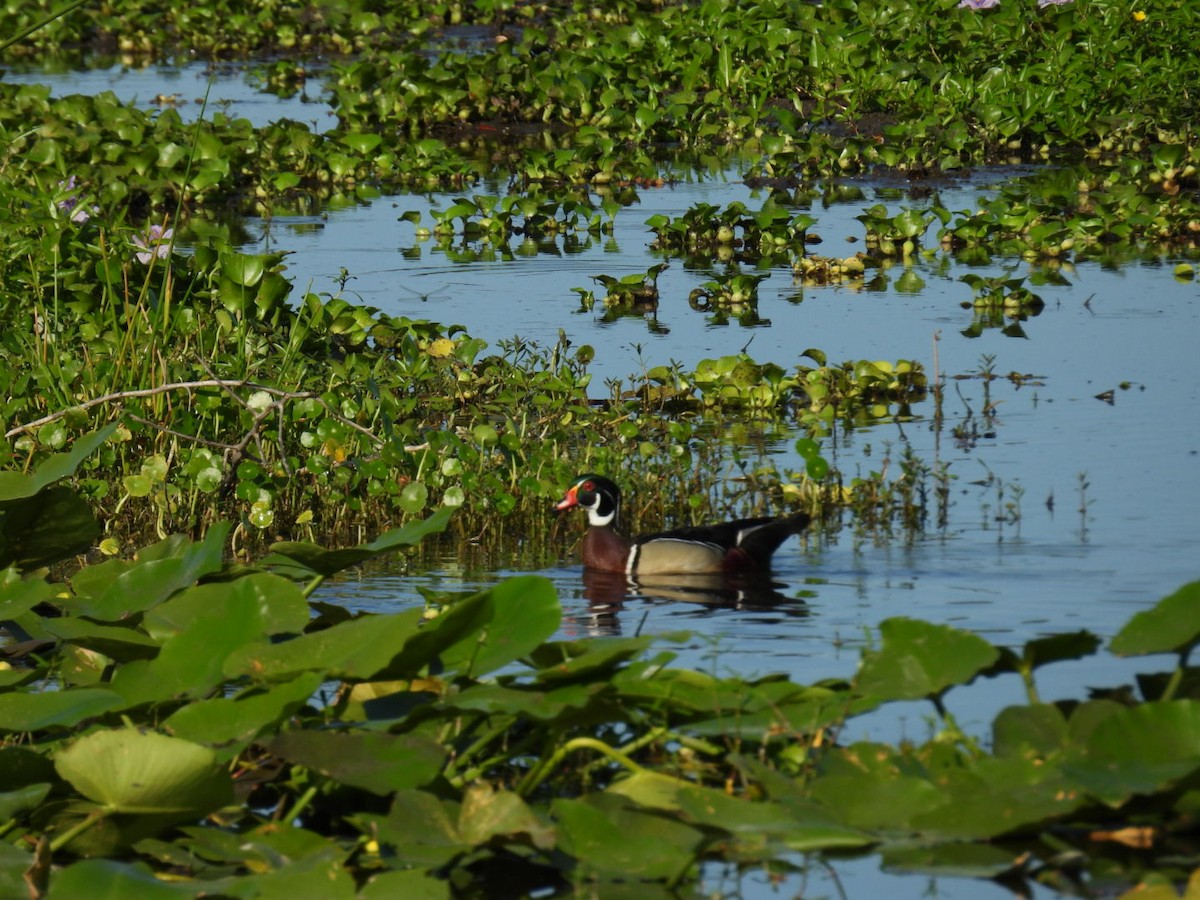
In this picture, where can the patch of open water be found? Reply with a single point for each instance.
(1058, 568)
(1088, 559)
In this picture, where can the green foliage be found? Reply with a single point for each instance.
(222, 736)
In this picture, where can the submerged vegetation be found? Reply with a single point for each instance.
(184, 429)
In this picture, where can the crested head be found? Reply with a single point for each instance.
(599, 497)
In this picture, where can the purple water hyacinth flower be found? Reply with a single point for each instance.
(157, 242)
(70, 203)
(978, 4)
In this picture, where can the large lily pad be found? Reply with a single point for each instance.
(1168, 627)
(21, 711)
(302, 561)
(921, 659)
(379, 763)
(131, 771)
(359, 649)
(487, 631)
(1139, 750)
(232, 722)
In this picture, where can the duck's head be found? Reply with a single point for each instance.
(597, 496)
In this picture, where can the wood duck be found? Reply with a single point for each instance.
(744, 545)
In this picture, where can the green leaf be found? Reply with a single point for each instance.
(486, 631)
(15, 485)
(131, 771)
(45, 528)
(421, 829)
(160, 571)
(230, 723)
(714, 809)
(1138, 750)
(411, 884)
(486, 814)
(1170, 626)
(302, 561)
(920, 659)
(359, 648)
(105, 879)
(28, 712)
(610, 834)
(379, 763)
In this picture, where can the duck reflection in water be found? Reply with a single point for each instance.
(608, 592)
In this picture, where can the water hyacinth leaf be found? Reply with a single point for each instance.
(1050, 649)
(114, 641)
(921, 659)
(877, 800)
(292, 880)
(230, 723)
(301, 561)
(16, 865)
(1170, 626)
(358, 649)
(18, 596)
(991, 796)
(571, 660)
(610, 834)
(131, 771)
(1138, 750)
(22, 712)
(379, 763)
(191, 662)
(541, 706)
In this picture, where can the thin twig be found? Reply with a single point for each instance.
(161, 389)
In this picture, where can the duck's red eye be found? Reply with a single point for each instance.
(587, 486)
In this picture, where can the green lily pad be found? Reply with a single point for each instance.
(232, 722)
(359, 649)
(921, 659)
(1168, 627)
(610, 834)
(28, 712)
(412, 884)
(302, 561)
(1138, 750)
(106, 879)
(130, 771)
(486, 631)
(379, 763)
